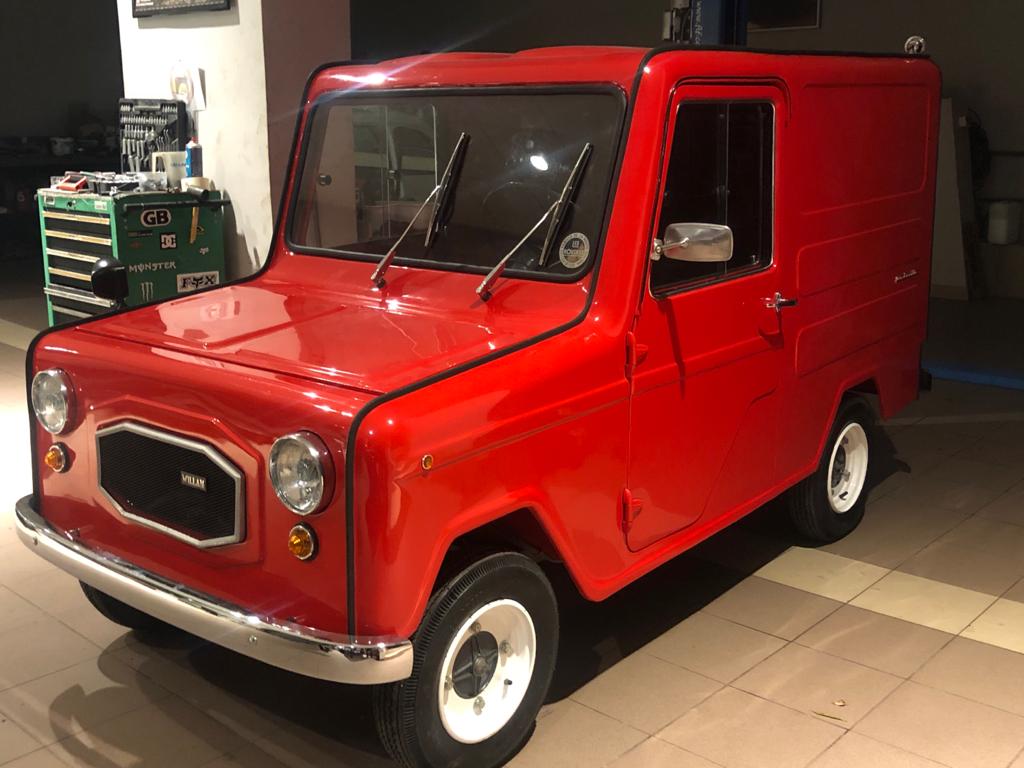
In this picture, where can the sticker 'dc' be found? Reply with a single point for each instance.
(574, 250)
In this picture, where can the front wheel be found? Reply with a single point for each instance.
(830, 503)
(484, 655)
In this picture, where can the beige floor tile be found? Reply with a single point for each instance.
(1008, 508)
(645, 692)
(958, 484)
(39, 648)
(168, 733)
(16, 610)
(245, 757)
(14, 740)
(92, 625)
(1016, 592)
(739, 730)
(818, 684)
(968, 567)
(857, 751)
(571, 735)
(992, 536)
(714, 647)
(894, 529)
(925, 602)
(773, 608)
(655, 753)
(945, 728)
(882, 642)
(78, 698)
(54, 591)
(20, 563)
(41, 758)
(1002, 624)
(977, 671)
(822, 573)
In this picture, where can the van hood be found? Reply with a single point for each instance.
(422, 324)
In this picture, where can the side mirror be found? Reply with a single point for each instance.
(110, 280)
(695, 242)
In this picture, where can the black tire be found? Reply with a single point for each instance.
(407, 713)
(809, 506)
(124, 614)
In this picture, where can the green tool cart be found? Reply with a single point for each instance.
(170, 242)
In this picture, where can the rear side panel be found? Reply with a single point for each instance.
(864, 212)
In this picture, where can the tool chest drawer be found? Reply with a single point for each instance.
(170, 243)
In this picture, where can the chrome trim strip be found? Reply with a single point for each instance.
(73, 294)
(70, 312)
(72, 255)
(192, 445)
(94, 239)
(306, 651)
(77, 217)
(69, 273)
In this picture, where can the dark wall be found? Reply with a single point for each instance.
(58, 59)
(383, 29)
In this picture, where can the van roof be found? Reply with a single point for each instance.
(554, 65)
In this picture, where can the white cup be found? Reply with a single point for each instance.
(171, 163)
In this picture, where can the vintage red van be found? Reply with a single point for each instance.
(584, 305)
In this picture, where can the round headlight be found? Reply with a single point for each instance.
(302, 472)
(53, 399)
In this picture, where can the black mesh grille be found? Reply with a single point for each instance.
(145, 477)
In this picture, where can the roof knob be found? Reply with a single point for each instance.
(915, 45)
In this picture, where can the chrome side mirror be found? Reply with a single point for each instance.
(694, 242)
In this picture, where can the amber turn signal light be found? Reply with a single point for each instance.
(302, 542)
(56, 458)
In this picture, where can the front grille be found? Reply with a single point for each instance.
(179, 486)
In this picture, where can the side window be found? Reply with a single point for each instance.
(719, 172)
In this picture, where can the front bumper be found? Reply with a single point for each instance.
(339, 658)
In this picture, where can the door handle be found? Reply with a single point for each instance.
(778, 302)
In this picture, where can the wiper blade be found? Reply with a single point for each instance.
(557, 214)
(484, 289)
(562, 204)
(445, 189)
(445, 185)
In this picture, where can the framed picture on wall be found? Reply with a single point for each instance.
(143, 8)
(765, 15)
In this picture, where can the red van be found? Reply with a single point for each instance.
(584, 305)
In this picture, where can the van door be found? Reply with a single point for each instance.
(707, 343)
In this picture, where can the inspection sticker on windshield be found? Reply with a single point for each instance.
(574, 250)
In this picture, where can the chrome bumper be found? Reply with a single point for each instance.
(339, 658)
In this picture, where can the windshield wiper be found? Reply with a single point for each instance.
(382, 266)
(562, 205)
(445, 189)
(556, 211)
(440, 190)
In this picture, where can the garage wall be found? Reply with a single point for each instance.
(255, 58)
(37, 89)
(228, 47)
(976, 44)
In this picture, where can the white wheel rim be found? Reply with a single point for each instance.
(472, 719)
(847, 468)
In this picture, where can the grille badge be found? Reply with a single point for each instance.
(193, 481)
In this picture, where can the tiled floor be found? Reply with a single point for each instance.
(902, 645)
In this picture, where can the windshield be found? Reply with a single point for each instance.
(371, 161)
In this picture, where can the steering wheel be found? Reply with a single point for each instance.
(518, 205)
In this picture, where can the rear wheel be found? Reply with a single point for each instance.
(122, 613)
(830, 503)
(484, 655)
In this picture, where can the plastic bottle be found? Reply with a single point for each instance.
(194, 158)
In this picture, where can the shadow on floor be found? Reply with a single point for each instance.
(336, 721)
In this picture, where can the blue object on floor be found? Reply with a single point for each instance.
(968, 376)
